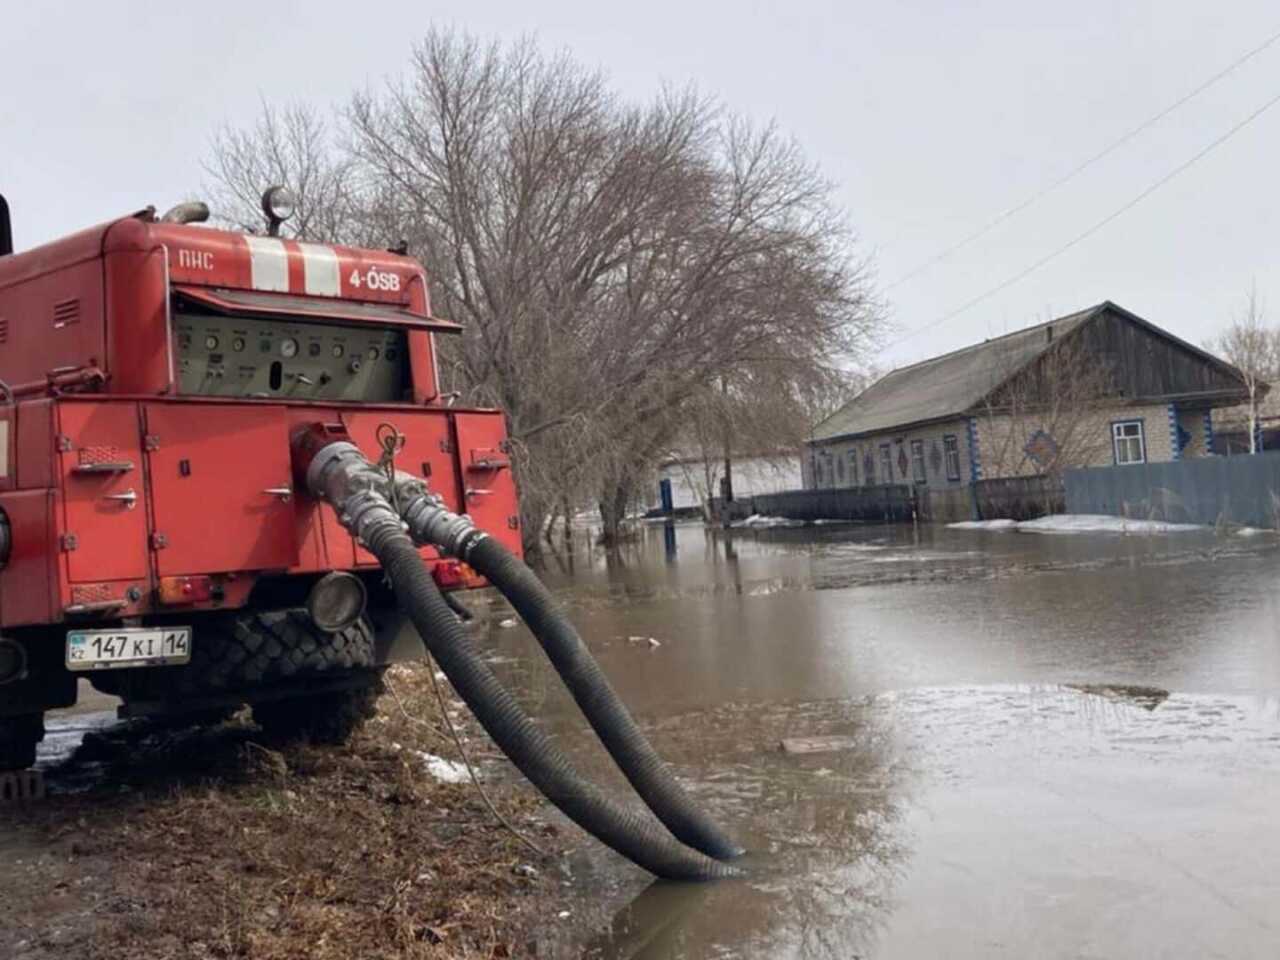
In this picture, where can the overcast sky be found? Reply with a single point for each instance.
(931, 117)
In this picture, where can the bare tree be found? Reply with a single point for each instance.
(761, 409)
(289, 145)
(1042, 418)
(1253, 348)
(609, 261)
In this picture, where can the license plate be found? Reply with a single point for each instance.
(129, 647)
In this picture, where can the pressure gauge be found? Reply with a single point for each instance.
(338, 350)
(237, 344)
(373, 353)
(288, 347)
(211, 342)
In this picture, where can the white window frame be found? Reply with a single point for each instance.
(886, 462)
(951, 456)
(919, 469)
(1120, 438)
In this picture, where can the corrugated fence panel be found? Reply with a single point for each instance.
(870, 504)
(1243, 490)
(1019, 498)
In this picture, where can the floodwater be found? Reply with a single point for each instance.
(1056, 746)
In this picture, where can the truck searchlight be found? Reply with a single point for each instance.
(279, 205)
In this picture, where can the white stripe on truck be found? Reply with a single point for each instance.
(268, 264)
(320, 268)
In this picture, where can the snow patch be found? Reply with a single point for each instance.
(758, 521)
(1252, 532)
(446, 771)
(1094, 523)
(1079, 523)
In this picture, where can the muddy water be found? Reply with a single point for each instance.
(1059, 746)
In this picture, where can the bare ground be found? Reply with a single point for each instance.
(219, 844)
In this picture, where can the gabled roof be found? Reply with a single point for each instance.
(955, 383)
(947, 385)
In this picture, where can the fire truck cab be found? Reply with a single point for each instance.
(153, 538)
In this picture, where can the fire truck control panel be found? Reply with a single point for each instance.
(264, 358)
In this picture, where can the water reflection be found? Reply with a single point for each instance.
(823, 830)
(1056, 741)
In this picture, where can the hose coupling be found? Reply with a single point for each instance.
(339, 469)
(370, 518)
(430, 523)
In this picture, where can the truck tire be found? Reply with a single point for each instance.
(263, 648)
(257, 649)
(331, 717)
(18, 738)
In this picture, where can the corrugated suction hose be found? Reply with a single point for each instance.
(430, 523)
(340, 474)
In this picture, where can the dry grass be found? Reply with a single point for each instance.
(224, 847)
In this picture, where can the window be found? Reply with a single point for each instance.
(840, 469)
(917, 461)
(869, 467)
(853, 468)
(1130, 445)
(886, 462)
(817, 472)
(951, 450)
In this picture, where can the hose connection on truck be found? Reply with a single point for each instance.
(392, 514)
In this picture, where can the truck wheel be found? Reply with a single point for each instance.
(281, 645)
(18, 739)
(332, 717)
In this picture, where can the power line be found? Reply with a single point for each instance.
(1079, 238)
(1080, 168)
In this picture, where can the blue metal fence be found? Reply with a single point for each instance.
(1243, 490)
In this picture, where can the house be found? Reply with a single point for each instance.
(686, 482)
(1100, 386)
(1231, 424)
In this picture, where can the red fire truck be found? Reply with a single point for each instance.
(152, 541)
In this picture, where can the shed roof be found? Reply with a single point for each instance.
(948, 385)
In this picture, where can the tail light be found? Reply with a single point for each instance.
(456, 575)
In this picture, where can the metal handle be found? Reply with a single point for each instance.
(100, 606)
(284, 493)
(113, 466)
(129, 498)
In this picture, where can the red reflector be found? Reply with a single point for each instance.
(185, 589)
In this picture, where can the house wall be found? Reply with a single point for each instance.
(999, 446)
(1002, 440)
(1198, 427)
(825, 458)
